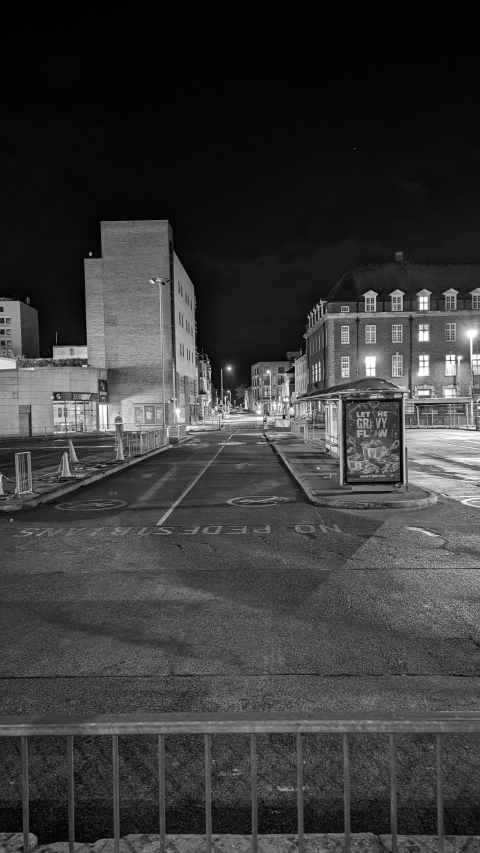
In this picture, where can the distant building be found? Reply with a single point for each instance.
(69, 353)
(18, 328)
(204, 386)
(271, 383)
(301, 379)
(417, 325)
(140, 306)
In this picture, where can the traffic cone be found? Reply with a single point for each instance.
(72, 453)
(2, 493)
(64, 467)
(119, 454)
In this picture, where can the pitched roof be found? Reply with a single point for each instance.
(383, 278)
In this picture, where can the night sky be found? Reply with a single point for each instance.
(274, 185)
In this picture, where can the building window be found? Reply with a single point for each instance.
(450, 331)
(424, 332)
(397, 302)
(423, 365)
(344, 334)
(7, 320)
(345, 366)
(449, 391)
(370, 303)
(344, 309)
(424, 303)
(450, 364)
(397, 364)
(475, 302)
(2, 320)
(424, 392)
(370, 363)
(370, 334)
(397, 333)
(476, 363)
(451, 302)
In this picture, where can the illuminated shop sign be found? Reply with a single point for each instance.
(78, 396)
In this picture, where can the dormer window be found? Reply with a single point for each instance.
(475, 294)
(370, 300)
(450, 299)
(423, 297)
(397, 300)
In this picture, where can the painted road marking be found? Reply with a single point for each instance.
(172, 530)
(156, 486)
(224, 443)
(189, 488)
(472, 501)
(426, 532)
(96, 506)
(257, 500)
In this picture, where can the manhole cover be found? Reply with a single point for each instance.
(91, 506)
(257, 500)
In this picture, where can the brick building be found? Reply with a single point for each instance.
(204, 386)
(415, 325)
(272, 383)
(140, 307)
(18, 328)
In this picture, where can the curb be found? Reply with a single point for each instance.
(31, 503)
(337, 502)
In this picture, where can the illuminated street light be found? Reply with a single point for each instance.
(161, 282)
(228, 368)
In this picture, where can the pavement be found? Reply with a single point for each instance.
(317, 473)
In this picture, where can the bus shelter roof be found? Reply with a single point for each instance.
(364, 387)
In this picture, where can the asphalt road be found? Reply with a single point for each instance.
(201, 579)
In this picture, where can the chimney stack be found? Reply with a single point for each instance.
(27, 300)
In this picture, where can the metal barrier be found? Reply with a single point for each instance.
(438, 724)
(136, 443)
(177, 432)
(23, 473)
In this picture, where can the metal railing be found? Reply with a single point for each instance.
(177, 432)
(23, 473)
(438, 724)
(136, 443)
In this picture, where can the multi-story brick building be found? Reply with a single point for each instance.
(18, 328)
(140, 306)
(301, 380)
(415, 325)
(272, 383)
(204, 386)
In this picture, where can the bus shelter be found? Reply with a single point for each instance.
(365, 428)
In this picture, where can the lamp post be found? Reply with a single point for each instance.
(228, 368)
(161, 284)
(471, 334)
(269, 374)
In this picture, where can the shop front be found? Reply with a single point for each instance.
(75, 411)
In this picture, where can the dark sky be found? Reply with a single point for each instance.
(275, 185)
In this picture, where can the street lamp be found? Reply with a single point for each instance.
(229, 369)
(161, 284)
(471, 334)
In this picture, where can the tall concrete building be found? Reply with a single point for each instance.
(140, 309)
(18, 328)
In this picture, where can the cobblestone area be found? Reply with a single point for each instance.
(327, 843)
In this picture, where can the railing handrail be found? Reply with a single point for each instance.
(443, 722)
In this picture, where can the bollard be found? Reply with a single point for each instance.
(72, 453)
(119, 454)
(64, 468)
(2, 492)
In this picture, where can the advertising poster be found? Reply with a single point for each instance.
(373, 441)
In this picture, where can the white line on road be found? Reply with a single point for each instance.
(189, 488)
(426, 532)
(157, 485)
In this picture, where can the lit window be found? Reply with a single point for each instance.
(476, 363)
(397, 301)
(397, 364)
(397, 333)
(450, 391)
(370, 363)
(450, 302)
(344, 309)
(424, 332)
(424, 392)
(345, 366)
(344, 334)
(450, 331)
(423, 365)
(424, 303)
(370, 334)
(370, 303)
(475, 302)
(450, 364)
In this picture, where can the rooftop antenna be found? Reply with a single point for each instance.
(56, 338)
